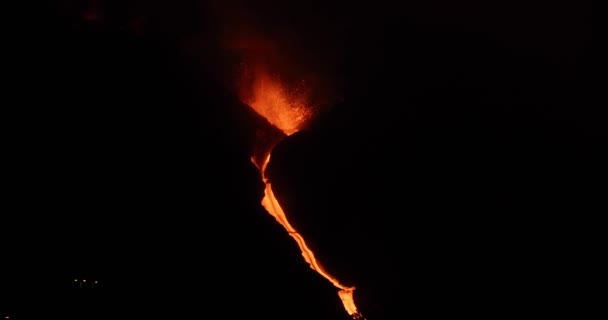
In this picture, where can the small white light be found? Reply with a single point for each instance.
(85, 280)
(75, 280)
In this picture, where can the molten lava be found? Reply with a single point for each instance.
(288, 112)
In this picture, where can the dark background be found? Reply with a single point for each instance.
(451, 174)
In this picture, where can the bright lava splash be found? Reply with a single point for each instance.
(285, 110)
(288, 112)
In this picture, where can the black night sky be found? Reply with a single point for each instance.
(453, 152)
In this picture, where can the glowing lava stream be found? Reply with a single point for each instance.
(273, 207)
(287, 113)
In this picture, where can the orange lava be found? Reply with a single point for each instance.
(271, 204)
(285, 110)
(288, 113)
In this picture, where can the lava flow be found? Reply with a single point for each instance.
(288, 112)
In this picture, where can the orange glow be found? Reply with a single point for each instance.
(285, 110)
(288, 113)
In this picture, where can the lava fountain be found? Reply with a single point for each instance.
(288, 111)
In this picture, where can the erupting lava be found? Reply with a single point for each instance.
(288, 112)
(270, 100)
